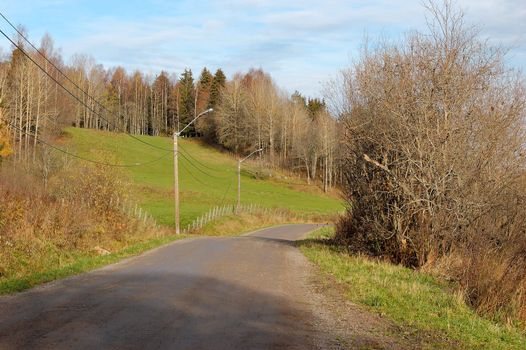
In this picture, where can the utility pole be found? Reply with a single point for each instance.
(238, 185)
(176, 171)
(239, 177)
(176, 184)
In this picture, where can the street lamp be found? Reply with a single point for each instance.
(239, 177)
(176, 170)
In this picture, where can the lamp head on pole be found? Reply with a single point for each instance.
(193, 120)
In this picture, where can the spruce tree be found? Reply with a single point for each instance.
(315, 106)
(215, 90)
(206, 78)
(203, 89)
(299, 98)
(186, 100)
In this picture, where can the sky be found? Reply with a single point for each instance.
(302, 44)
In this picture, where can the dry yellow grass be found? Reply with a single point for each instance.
(233, 225)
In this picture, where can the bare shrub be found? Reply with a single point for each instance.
(45, 221)
(435, 166)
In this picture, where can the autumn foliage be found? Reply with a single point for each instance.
(47, 219)
(5, 145)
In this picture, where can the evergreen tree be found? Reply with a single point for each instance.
(215, 90)
(186, 100)
(204, 86)
(315, 106)
(204, 126)
(206, 78)
(299, 98)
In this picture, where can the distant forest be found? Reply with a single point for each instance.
(40, 94)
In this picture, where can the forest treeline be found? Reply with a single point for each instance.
(250, 111)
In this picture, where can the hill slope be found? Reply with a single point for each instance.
(207, 177)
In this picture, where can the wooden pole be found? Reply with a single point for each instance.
(238, 185)
(176, 184)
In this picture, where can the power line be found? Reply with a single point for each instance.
(199, 169)
(68, 78)
(224, 196)
(66, 89)
(94, 111)
(189, 158)
(84, 158)
(196, 160)
(193, 176)
(88, 95)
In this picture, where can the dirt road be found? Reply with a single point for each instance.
(249, 292)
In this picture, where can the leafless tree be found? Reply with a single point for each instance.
(434, 130)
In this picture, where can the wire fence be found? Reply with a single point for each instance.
(126, 207)
(222, 211)
(133, 210)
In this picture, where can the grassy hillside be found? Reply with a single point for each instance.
(207, 177)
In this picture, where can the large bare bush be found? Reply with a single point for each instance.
(435, 161)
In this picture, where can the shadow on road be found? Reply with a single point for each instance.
(152, 311)
(249, 292)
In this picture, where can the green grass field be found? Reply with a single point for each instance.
(423, 305)
(207, 177)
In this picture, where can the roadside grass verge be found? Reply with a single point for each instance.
(416, 301)
(79, 262)
(235, 225)
(56, 264)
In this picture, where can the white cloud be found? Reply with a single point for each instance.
(300, 43)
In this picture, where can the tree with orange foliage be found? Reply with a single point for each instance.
(5, 146)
